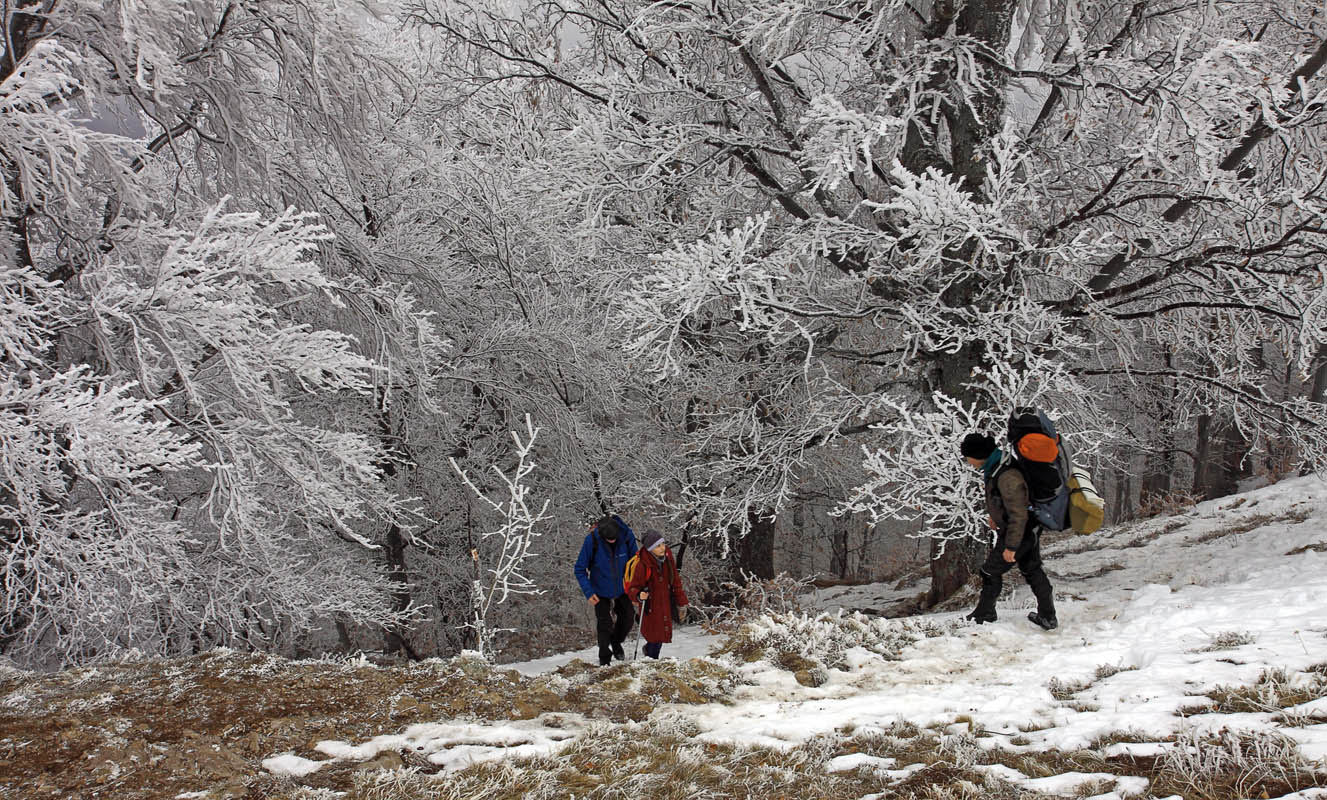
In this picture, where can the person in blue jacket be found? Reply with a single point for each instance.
(600, 569)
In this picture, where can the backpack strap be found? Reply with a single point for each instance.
(594, 548)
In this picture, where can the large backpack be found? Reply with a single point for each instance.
(1061, 494)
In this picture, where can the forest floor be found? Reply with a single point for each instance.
(1191, 662)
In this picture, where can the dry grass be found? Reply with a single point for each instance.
(1228, 640)
(1064, 691)
(661, 760)
(1316, 547)
(1104, 569)
(1107, 670)
(160, 727)
(1169, 504)
(1229, 764)
(1275, 690)
(1249, 523)
(799, 642)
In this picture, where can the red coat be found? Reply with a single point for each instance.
(659, 577)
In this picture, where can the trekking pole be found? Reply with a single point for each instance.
(635, 650)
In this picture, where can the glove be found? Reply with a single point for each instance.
(681, 613)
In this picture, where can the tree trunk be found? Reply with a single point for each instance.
(343, 639)
(1235, 466)
(1159, 468)
(970, 126)
(1318, 392)
(755, 551)
(952, 566)
(1221, 453)
(394, 546)
(952, 569)
(1202, 454)
(1122, 508)
(838, 548)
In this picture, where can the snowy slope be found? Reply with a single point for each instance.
(1155, 616)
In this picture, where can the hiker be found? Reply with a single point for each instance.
(600, 568)
(1017, 533)
(654, 582)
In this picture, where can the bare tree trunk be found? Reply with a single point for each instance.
(1221, 458)
(954, 563)
(952, 569)
(838, 548)
(1202, 454)
(1318, 392)
(971, 127)
(394, 547)
(1159, 468)
(865, 561)
(343, 639)
(794, 547)
(755, 551)
(1123, 506)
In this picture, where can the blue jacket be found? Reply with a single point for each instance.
(600, 568)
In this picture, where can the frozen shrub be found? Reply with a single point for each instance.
(1275, 689)
(1229, 640)
(962, 750)
(1229, 763)
(755, 598)
(788, 639)
(1064, 691)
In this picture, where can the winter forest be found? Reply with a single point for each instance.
(333, 325)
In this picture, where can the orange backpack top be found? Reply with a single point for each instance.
(1038, 447)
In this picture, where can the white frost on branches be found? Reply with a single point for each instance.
(514, 536)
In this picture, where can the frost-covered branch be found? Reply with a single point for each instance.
(515, 536)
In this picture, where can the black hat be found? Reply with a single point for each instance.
(608, 528)
(650, 539)
(977, 445)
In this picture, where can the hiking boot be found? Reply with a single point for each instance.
(980, 615)
(618, 652)
(1045, 623)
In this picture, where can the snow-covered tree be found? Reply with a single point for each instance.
(884, 221)
(515, 535)
(189, 462)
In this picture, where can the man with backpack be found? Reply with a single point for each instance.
(600, 567)
(1017, 531)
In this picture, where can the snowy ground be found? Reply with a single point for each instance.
(1154, 617)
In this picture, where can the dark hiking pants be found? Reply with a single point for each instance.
(614, 618)
(1028, 560)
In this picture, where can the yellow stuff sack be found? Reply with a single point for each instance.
(630, 571)
(1086, 508)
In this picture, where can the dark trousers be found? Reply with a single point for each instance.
(613, 620)
(652, 649)
(1028, 560)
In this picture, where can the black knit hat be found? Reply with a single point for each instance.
(608, 528)
(650, 539)
(977, 445)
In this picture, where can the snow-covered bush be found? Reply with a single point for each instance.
(752, 598)
(1238, 763)
(519, 525)
(826, 639)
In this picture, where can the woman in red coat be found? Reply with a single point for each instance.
(652, 577)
